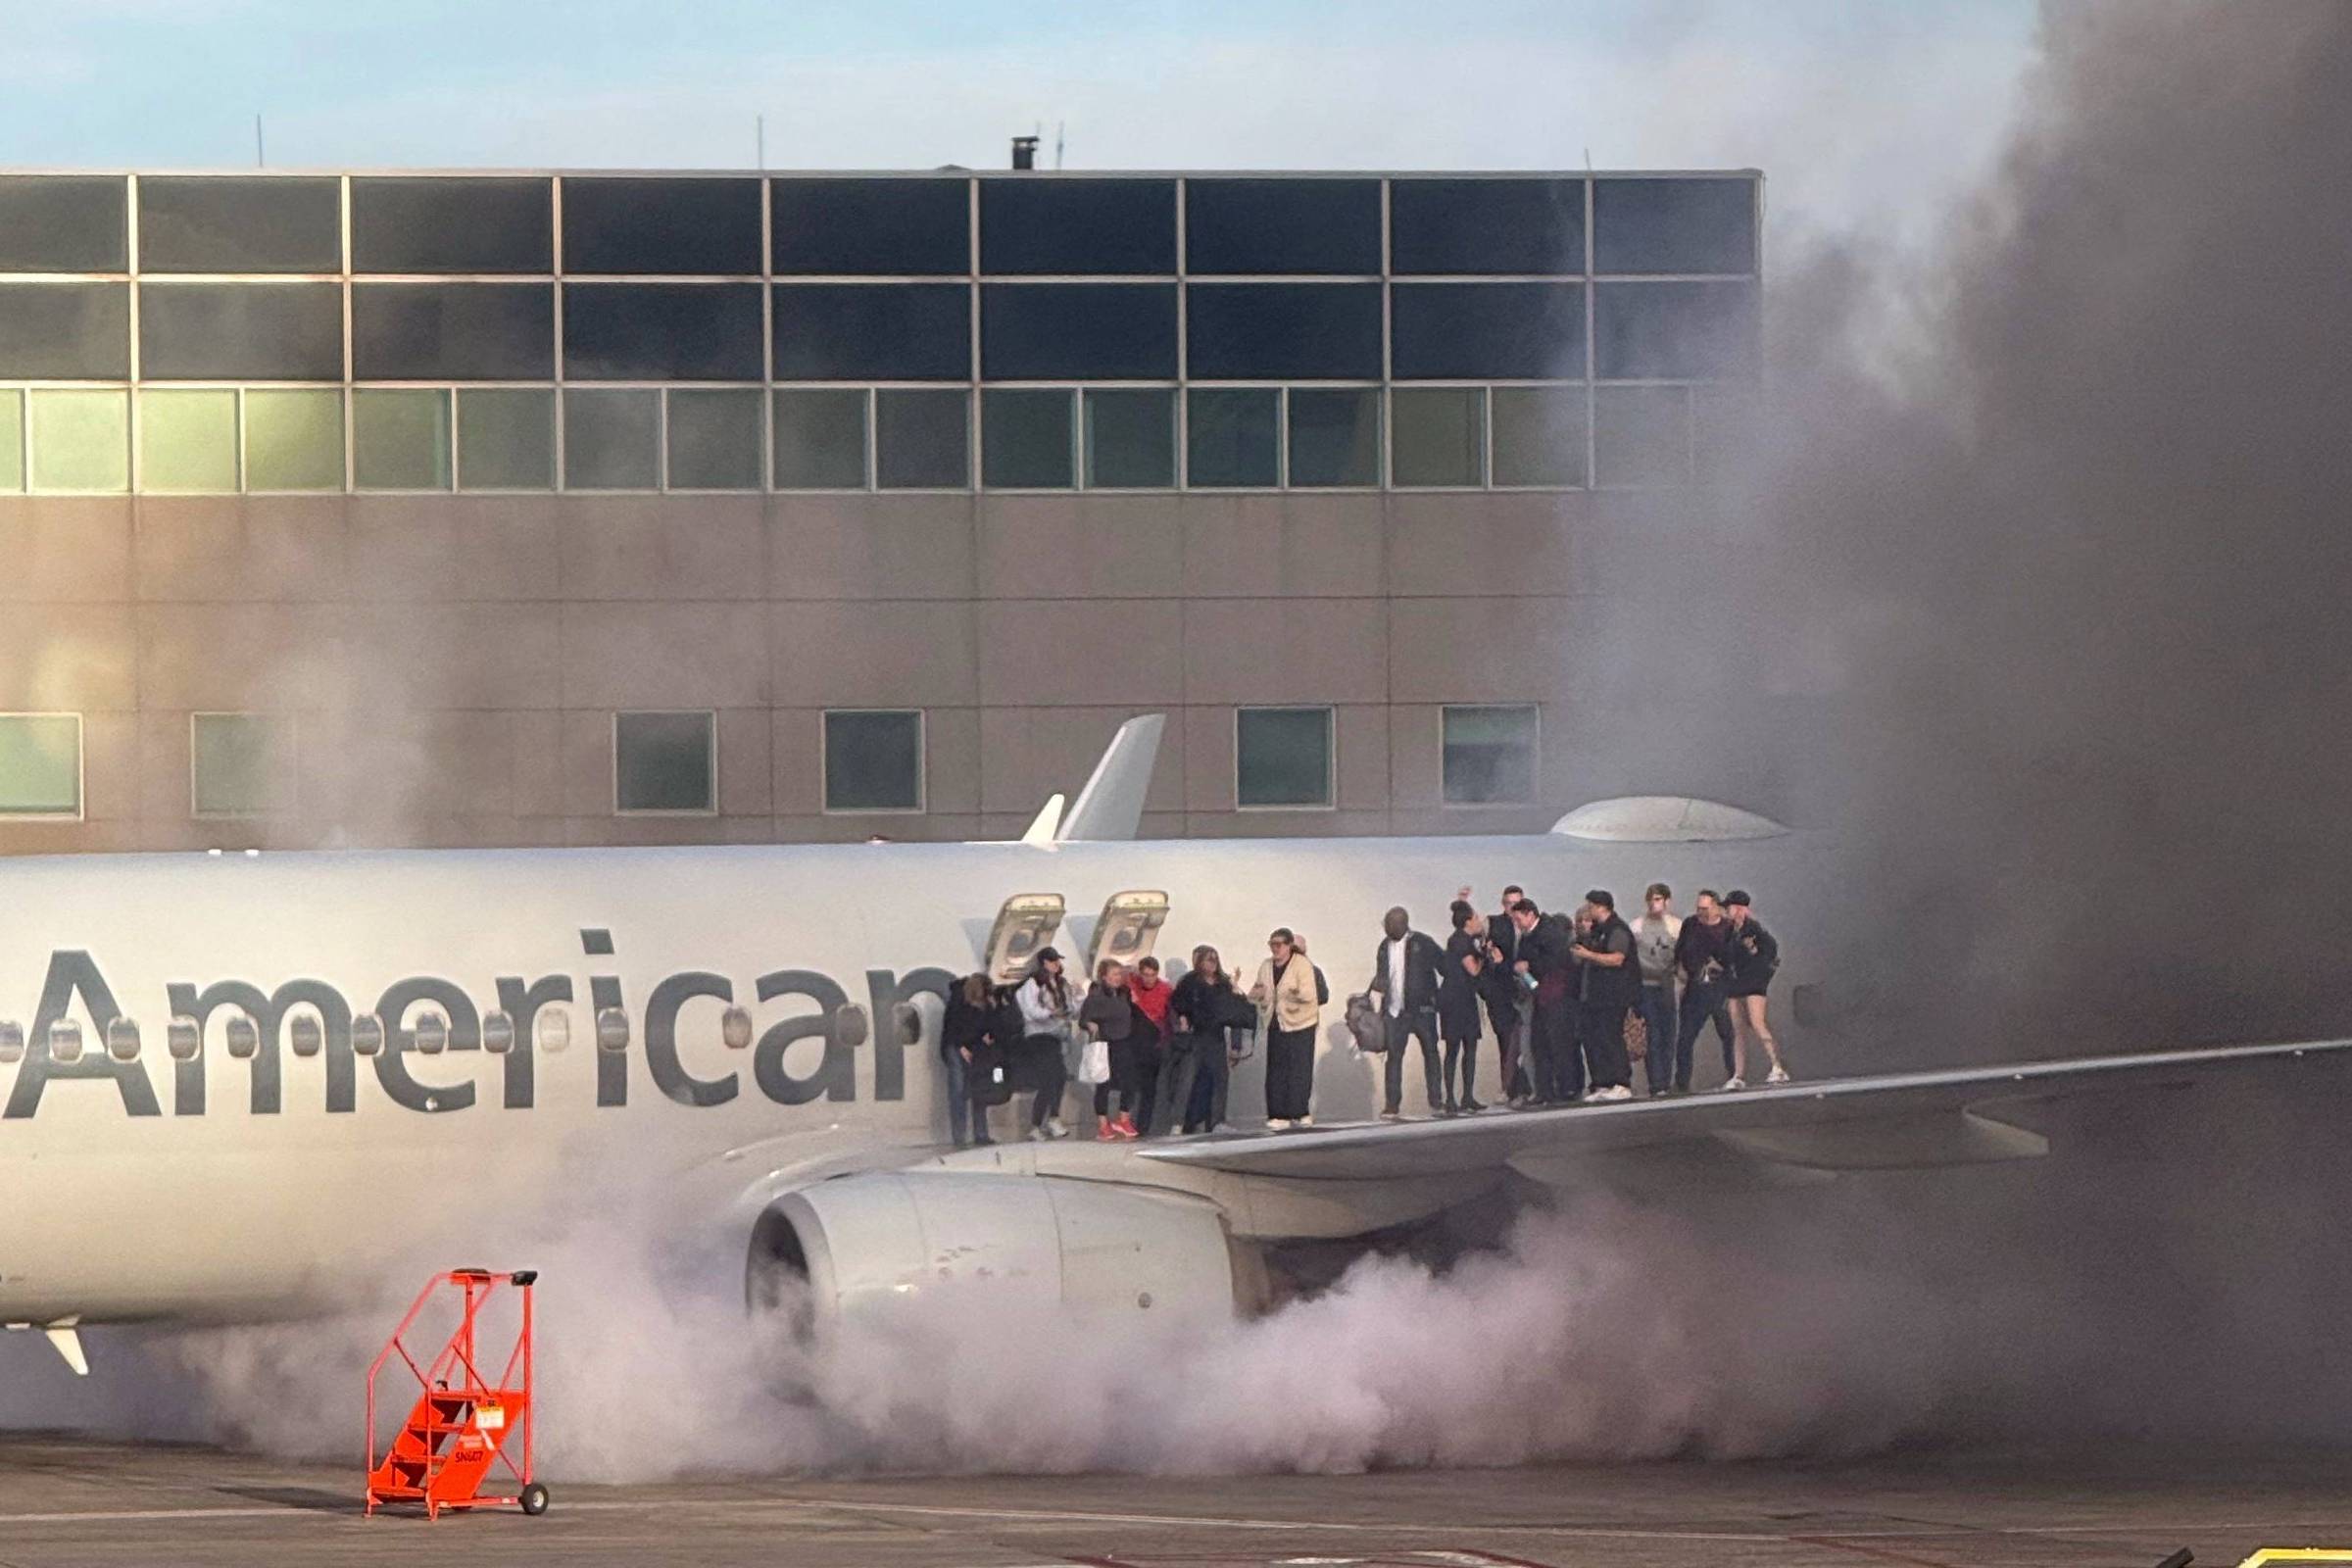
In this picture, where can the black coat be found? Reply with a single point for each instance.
(1458, 994)
(1612, 985)
(1424, 972)
(1200, 1008)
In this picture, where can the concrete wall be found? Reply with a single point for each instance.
(454, 661)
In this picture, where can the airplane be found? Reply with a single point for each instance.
(242, 1087)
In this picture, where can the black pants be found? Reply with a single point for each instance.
(1421, 1026)
(1041, 1067)
(1701, 1000)
(1601, 1026)
(1555, 1071)
(1512, 1026)
(1130, 1060)
(1291, 1073)
(1193, 1060)
(1461, 1060)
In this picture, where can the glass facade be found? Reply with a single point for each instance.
(849, 333)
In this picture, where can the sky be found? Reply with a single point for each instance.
(1865, 115)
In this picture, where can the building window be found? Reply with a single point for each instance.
(80, 441)
(40, 764)
(401, 439)
(612, 440)
(820, 438)
(874, 761)
(1025, 439)
(1130, 439)
(12, 439)
(665, 762)
(240, 764)
(1335, 438)
(1538, 437)
(505, 439)
(1438, 437)
(293, 440)
(714, 439)
(922, 440)
(1233, 438)
(188, 442)
(1281, 756)
(1490, 756)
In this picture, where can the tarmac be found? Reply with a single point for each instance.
(70, 1503)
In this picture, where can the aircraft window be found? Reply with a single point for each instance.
(123, 1040)
(735, 1028)
(431, 1032)
(850, 1026)
(910, 1020)
(367, 1034)
(1129, 927)
(552, 1027)
(243, 1037)
(1025, 923)
(183, 1039)
(304, 1033)
(65, 1041)
(611, 1029)
(497, 1032)
(12, 1042)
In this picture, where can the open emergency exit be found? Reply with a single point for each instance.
(1129, 927)
(1025, 923)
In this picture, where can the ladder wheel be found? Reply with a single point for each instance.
(534, 1500)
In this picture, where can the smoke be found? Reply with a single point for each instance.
(2045, 557)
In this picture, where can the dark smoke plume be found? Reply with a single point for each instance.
(2074, 550)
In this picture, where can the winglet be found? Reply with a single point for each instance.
(68, 1344)
(1112, 806)
(1048, 818)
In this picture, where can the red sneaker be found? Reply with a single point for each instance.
(1124, 1127)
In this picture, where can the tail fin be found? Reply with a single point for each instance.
(1112, 806)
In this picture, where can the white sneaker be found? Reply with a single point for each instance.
(1730, 1084)
(1278, 1124)
(1304, 1122)
(1054, 1128)
(1778, 1075)
(1038, 1135)
(1617, 1092)
(1222, 1127)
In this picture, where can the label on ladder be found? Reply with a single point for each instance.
(490, 1417)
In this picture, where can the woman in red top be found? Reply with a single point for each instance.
(1150, 995)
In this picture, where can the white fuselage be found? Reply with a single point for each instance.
(158, 1188)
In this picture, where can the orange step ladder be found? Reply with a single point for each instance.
(463, 1430)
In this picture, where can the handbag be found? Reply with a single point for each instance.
(1365, 1024)
(1094, 1064)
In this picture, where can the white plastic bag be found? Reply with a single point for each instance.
(1094, 1064)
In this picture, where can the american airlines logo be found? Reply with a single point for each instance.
(420, 1016)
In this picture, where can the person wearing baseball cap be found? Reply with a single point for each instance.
(1748, 966)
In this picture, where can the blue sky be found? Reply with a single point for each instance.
(1864, 112)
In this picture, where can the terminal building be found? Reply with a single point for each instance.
(518, 508)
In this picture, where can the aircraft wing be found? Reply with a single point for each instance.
(1889, 1121)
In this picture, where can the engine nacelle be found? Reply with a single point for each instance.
(871, 1243)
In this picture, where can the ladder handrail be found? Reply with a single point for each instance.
(456, 1361)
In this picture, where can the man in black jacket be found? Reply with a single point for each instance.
(1406, 970)
(1510, 1005)
(1556, 1075)
(1609, 984)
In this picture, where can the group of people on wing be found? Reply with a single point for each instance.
(1573, 1001)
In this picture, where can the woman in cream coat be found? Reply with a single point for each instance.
(1290, 1005)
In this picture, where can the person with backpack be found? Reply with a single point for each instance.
(1608, 989)
(1200, 1012)
(1408, 968)
(1754, 957)
(1290, 994)
(1107, 1015)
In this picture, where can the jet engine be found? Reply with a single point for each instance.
(876, 1242)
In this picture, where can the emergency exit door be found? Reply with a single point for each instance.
(1128, 929)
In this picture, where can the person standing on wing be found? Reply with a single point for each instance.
(1457, 1005)
(1290, 998)
(1048, 1012)
(1655, 933)
(1749, 969)
(1609, 985)
(1408, 968)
